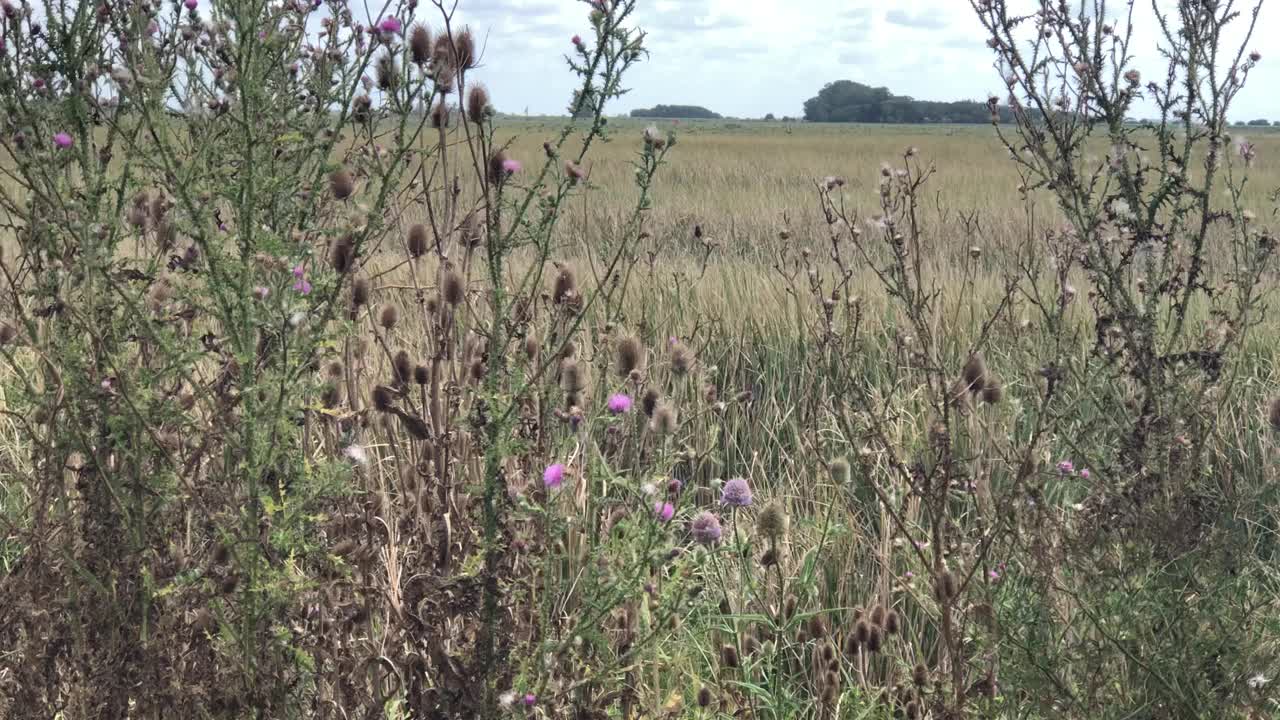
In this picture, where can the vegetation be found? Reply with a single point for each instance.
(848, 101)
(681, 112)
(381, 413)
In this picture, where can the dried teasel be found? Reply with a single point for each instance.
(892, 622)
(975, 373)
(342, 254)
(440, 114)
(565, 285)
(360, 292)
(382, 398)
(944, 586)
(840, 471)
(388, 72)
(403, 367)
(389, 316)
(920, 675)
(704, 697)
(531, 347)
(420, 45)
(992, 393)
(789, 606)
(649, 402)
(772, 522)
(478, 108)
(421, 374)
(817, 627)
(464, 49)
(729, 657)
(1273, 414)
(877, 615)
(341, 184)
(681, 358)
(630, 355)
(862, 632)
(875, 637)
(452, 290)
(664, 420)
(571, 380)
(416, 242)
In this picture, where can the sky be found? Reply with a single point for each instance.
(746, 58)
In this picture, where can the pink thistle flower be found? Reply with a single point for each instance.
(1084, 474)
(390, 25)
(1066, 468)
(62, 140)
(576, 40)
(511, 167)
(300, 284)
(530, 699)
(191, 4)
(664, 511)
(619, 403)
(553, 476)
(261, 292)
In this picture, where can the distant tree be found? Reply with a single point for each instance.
(848, 101)
(1259, 123)
(675, 111)
(769, 117)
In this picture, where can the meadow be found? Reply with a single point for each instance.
(314, 414)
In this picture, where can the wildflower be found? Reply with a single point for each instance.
(191, 4)
(530, 699)
(62, 140)
(619, 403)
(664, 511)
(736, 493)
(706, 528)
(300, 284)
(390, 26)
(553, 476)
(648, 488)
(1255, 56)
(994, 575)
(576, 40)
(511, 167)
(1084, 474)
(261, 292)
(1065, 467)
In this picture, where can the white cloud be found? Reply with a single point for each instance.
(750, 57)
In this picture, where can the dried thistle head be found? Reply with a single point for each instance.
(920, 675)
(383, 400)
(992, 392)
(565, 285)
(440, 114)
(975, 373)
(389, 316)
(342, 254)
(452, 289)
(420, 45)
(571, 380)
(649, 402)
(1273, 414)
(728, 657)
(772, 522)
(341, 184)
(664, 420)
(417, 240)
(421, 374)
(478, 108)
(840, 471)
(681, 358)
(403, 367)
(388, 72)
(360, 292)
(630, 354)
(464, 49)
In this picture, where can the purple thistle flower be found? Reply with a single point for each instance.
(390, 25)
(1084, 474)
(191, 4)
(1065, 467)
(664, 511)
(619, 403)
(511, 167)
(736, 493)
(301, 285)
(62, 140)
(706, 528)
(530, 699)
(553, 476)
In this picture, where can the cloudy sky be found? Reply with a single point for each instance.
(750, 57)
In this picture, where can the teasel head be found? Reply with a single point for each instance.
(817, 627)
(531, 347)
(751, 645)
(1273, 414)
(772, 522)
(417, 240)
(729, 657)
(892, 622)
(862, 632)
(875, 637)
(138, 214)
(360, 293)
(440, 113)
(478, 369)
(382, 398)
(571, 380)
(343, 253)
(649, 402)
(664, 420)
(341, 184)
(877, 615)
(992, 393)
(975, 373)
(403, 367)
(920, 675)
(452, 289)
(704, 697)
(478, 108)
(840, 471)
(912, 710)
(389, 316)
(630, 355)
(420, 45)
(789, 607)
(464, 49)
(421, 374)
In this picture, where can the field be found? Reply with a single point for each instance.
(324, 415)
